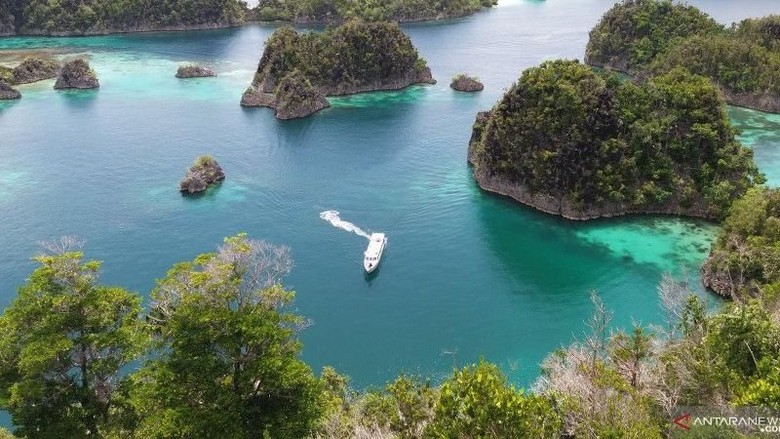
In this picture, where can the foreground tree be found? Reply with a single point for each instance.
(226, 364)
(478, 402)
(63, 342)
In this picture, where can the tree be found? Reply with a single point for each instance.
(478, 402)
(628, 352)
(226, 361)
(63, 343)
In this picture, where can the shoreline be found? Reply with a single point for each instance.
(182, 28)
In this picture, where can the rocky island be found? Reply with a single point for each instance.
(7, 92)
(194, 71)
(743, 262)
(463, 82)
(203, 172)
(582, 144)
(303, 11)
(77, 74)
(651, 37)
(352, 58)
(34, 69)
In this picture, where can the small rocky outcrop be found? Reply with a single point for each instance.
(194, 71)
(7, 92)
(202, 173)
(77, 74)
(294, 98)
(463, 82)
(35, 69)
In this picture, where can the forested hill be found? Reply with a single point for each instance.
(336, 11)
(84, 17)
(655, 36)
(579, 143)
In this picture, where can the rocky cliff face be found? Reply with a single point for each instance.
(77, 74)
(202, 173)
(35, 69)
(293, 98)
(7, 92)
(716, 280)
(194, 71)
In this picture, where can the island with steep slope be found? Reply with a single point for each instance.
(352, 58)
(651, 37)
(583, 144)
(203, 172)
(303, 11)
(7, 92)
(33, 69)
(743, 262)
(77, 74)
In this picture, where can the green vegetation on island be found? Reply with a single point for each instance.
(336, 11)
(77, 74)
(464, 82)
(89, 17)
(104, 16)
(745, 259)
(655, 36)
(583, 144)
(194, 71)
(203, 172)
(216, 354)
(31, 69)
(355, 57)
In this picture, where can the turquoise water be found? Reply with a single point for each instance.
(465, 275)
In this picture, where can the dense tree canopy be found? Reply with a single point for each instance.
(226, 357)
(63, 342)
(568, 132)
(634, 32)
(222, 361)
(656, 36)
(342, 59)
(97, 16)
(745, 258)
(308, 11)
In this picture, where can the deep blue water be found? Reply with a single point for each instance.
(465, 275)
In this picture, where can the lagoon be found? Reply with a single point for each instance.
(465, 274)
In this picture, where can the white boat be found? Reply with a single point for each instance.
(373, 253)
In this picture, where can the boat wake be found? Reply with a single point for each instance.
(332, 216)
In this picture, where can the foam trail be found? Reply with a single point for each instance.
(332, 216)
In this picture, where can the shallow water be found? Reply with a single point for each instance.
(465, 275)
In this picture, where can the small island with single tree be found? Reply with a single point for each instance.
(583, 144)
(652, 37)
(464, 82)
(352, 58)
(203, 172)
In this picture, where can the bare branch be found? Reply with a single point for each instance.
(65, 244)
